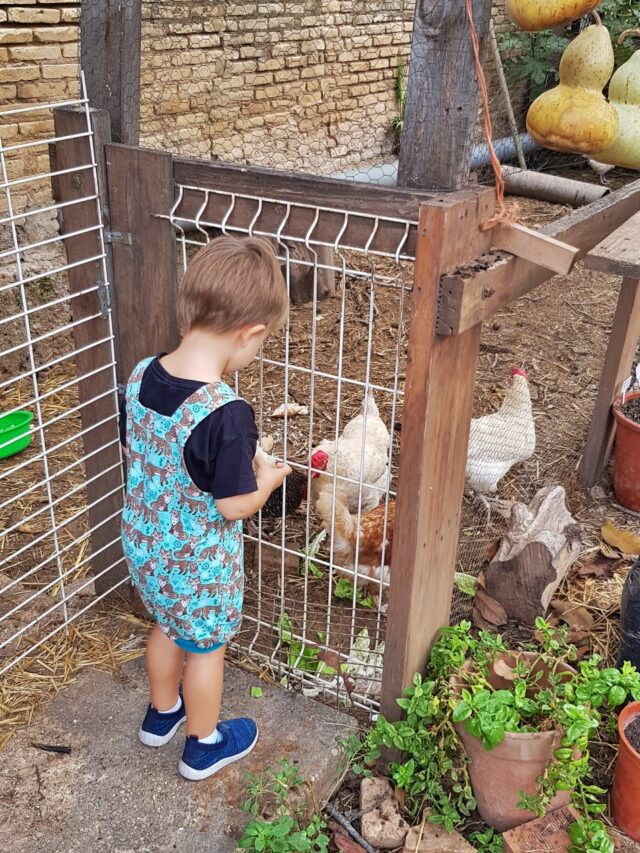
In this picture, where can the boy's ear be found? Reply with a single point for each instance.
(250, 332)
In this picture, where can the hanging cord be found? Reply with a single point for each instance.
(505, 215)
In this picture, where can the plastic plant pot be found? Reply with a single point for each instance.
(14, 433)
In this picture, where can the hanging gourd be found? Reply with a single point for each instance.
(624, 95)
(575, 116)
(534, 15)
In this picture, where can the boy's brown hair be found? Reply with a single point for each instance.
(231, 283)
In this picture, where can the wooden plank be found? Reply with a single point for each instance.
(432, 459)
(441, 109)
(306, 189)
(99, 456)
(533, 246)
(110, 37)
(619, 253)
(473, 294)
(625, 334)
(144, 253)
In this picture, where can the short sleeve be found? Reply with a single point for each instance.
(219, 453)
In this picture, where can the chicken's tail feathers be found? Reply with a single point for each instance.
(340, 519)
(370, 406)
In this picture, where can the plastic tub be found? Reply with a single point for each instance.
(14, 428)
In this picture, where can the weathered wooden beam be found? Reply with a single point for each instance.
(99, 424)
(474, 293)
(623, 342)
(110, 37)
(533, 246)
(144, 253)
(433, 451)
(441, 109)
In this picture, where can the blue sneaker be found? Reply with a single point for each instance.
(158, 729)
(200, 760)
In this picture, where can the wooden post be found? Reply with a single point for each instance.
(441, 111)
(110, 35)
(618, 362)
(100, 442)
(144, 253)
(435, 433)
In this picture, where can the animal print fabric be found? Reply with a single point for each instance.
(185, 558)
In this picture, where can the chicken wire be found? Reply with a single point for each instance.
(306, 613)
(45, 551)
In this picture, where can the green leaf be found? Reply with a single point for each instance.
(616, 696)
(256, 692)
(462, 712)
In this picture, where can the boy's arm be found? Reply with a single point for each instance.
(268, 479)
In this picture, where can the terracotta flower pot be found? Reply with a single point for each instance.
(498, 775)
(626, 469)
(625, 793)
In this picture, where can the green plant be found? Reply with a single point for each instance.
(342, 587)
(280, 821)
(577, 702)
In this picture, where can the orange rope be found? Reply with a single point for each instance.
(505, 214)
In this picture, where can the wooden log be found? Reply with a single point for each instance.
(474, 293)
(621, 349)
(100, 438)
(144, 254)
(433, 453)
(110, 37)
(542, 543)
(551, 188)
(442, 95)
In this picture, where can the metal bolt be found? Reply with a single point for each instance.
(76, 180)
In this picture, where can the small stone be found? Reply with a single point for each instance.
(429, 838)
(382, 824)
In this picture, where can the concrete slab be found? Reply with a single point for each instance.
(113, 794)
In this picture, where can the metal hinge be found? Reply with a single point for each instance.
(118, 237)
(104, 298)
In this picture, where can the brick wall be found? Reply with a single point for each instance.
(38, 62)
(303, 84)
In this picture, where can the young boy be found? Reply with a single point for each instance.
(191, 445)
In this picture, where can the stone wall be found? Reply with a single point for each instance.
(301, 84)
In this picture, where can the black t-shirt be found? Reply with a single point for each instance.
(219, 452)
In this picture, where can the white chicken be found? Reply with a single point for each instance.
(499, 441)
(357, 456)
(600, 169)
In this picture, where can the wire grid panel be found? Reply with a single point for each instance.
(315, 608)
(45, 551)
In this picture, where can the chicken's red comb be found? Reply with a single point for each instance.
(518, 371)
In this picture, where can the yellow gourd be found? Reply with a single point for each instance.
(624, 95)
(534, 15)
(575, 116)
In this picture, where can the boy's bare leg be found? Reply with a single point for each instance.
(202, 691)
(165, 662)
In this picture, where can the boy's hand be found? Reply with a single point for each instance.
(270, 476)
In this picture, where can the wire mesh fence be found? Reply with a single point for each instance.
(45, 553)
(315, 597)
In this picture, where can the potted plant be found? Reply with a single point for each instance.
(626, 469)
(625, 793)
(538, 704)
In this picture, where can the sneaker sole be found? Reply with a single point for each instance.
(149, 739)
(195, 775)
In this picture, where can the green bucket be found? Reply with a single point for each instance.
(14, 429)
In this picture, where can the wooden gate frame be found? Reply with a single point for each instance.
(458, 284)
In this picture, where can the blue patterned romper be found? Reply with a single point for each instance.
(185, 558)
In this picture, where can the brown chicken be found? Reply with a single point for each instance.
(372, 537)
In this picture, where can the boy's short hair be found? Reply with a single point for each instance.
(231, 283)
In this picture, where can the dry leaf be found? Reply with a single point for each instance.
(575, 616)
(502, 668)
(487, 612)
(347, 845)
(600, 567)
(625, 541)
(609, 552)
(492, 549)
(266, 443)
(291, 409)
